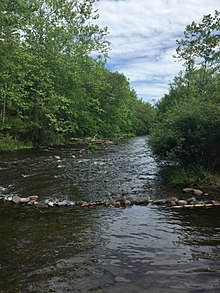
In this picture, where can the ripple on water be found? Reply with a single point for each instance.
(139, 249)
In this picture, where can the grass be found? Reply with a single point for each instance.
(191, 176)
(8, 143)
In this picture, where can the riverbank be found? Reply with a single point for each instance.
(7, 143)
(191, 176)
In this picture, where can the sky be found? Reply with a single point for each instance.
(143, 37)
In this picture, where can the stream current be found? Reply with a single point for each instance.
(100, 249)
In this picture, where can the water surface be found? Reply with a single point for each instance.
(99, 249)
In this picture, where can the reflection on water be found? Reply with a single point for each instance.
(138, 249)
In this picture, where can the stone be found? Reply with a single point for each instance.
(160, 201)
(116, 204)
(33, 197)
(57, 157)
(191, 200)
(172, 203)
(24, 200)
(182, 202)
(187, 190)
(142, 200)
(40, 205)
(197, 191)
(31, 202)
(127, 203)
(16, 199)
(62, 203)
(172, 199)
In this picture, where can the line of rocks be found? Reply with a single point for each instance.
(120, 201)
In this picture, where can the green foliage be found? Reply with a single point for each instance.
(145, 115)
(187, 127)
(51, 89)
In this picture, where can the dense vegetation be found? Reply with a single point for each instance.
(187, 127)
(53, 82)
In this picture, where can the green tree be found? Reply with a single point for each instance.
(187, 125)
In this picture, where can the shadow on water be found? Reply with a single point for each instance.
(97, 249)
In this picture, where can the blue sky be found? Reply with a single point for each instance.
(143, 37)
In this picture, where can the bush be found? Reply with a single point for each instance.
(189, 133)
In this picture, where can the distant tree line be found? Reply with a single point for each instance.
(51, 89)
(187, 126)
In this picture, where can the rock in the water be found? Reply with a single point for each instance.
(24, 200)
(142, 200)
(40, 205)
(197, 191)
(33, 197)
(57, 157)
(127, 203)
(160, 201)
(16, 199)
(62, 203)
(116, 204)
(182, 202)
(187, 190)
(31, 202)
(172, 199)
(191, 200)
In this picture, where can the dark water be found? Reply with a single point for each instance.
(98, 249)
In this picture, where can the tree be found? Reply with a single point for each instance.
(37, 37)
(200, 47)
(187, 125)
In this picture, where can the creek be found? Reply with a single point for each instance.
(101, 249)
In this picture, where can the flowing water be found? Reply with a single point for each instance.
(100, 249)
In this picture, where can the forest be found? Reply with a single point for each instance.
(53, 81)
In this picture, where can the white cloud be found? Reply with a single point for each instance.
(143, 37)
